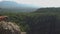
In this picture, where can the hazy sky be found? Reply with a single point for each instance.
(41, 3)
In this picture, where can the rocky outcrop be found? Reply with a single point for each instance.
(9, 28)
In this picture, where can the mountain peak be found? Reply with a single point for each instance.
(11, 4)
(7, 2)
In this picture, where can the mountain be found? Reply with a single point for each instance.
(48, 10)
(13, 6)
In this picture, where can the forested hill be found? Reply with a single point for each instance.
(48, 10)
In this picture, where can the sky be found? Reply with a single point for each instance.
(40, 3)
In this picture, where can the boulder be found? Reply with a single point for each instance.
(9, 28)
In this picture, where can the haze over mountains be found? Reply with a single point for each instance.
(13, 6)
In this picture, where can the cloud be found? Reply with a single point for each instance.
(0, 0)
(41, 3)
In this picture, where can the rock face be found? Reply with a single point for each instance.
(9, 28)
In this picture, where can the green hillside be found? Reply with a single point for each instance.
(48, 10)
(42, 15)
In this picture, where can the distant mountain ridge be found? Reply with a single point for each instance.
(48, 10)
(13, 6)
(7, 4)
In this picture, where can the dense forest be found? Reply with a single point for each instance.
(48, 10)
(42, 17)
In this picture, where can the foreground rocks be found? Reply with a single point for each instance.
(9, 28)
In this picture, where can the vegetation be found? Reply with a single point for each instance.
(28, 20)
